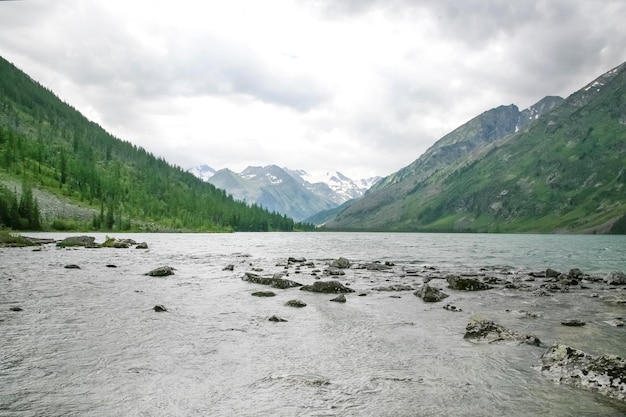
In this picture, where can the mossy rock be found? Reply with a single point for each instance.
(263, 294)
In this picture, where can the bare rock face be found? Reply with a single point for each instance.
(604, 374)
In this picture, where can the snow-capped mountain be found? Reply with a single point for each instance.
(295, 193)
(204, 172)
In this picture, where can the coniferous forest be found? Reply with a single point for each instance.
(46, 144)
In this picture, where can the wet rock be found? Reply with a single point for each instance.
(395, 287)
(327, 287)
(264, 294)
(71, 266)
(16, 308)
(339, 299)
(615, 322)
(376, 266)
(575, 273)
(603, 374)
(573, 323)
(333, 271)
(111, 266)
(276, 281)
(277, 319)
(551, 273)
(615, 278)
(161, 271)
(112, 242)
(141, 245)
(295, 303)
(229, 267)
(73, 241)
(159, 308)
(480, 329)
(294, 260)
(430, 294)
(341, 263)
(450, 307)
(466, 284)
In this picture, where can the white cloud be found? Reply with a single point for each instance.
(359, 86)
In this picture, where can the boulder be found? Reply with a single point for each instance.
(604, 374)
(327, 287)
(71, 266)
(466, 284)
(575, 273)
(341, 263)
(615, 278)
(159, 308)
(430, 294)
(295, 303)
(334, 271)
(229, 267)
(141, 245)
(480, 329)
(84, 241)
(296, 260)
(277, 319)
(264, 294)
(112, 242)
(551, 273)
(161, 271)
(276, 281)
(339, 299)
(573, 323)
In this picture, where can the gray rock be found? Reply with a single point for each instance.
(229, 267)
(575, 273)
(71, 266)
(277, 319)
(430, 294)
(603, 374)
(573, 323)
(339, 299)
(327, 287)
(161, 271)
(84, 241)
(295, 303)
(615, 322)
(276, 281)
(334, 271)
(480, 329)
(264, 294)
(395, 287)
(615, 278)
(16, 308)
(466, 284)
(341, 263)
(159, 308)
(294, 260)
(142, 245)
(551, 273)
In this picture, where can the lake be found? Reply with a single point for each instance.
(87, 341)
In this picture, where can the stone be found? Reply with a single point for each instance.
(229, 267)
(395, 287)
(573, 323)
(466, 284)
(71, 266)
(341, 263)
(276, 281)
(161, 271)
(334, 271)
(551, 273)
(16, 308)
(73, 241)
(277, 319)
(604, 374)
(450, 307)
(264, 294)
(615, 278)
(575, 273)
(142, 245)
(615, 322)
(159, 308)
(480, 329)
(327, 287)
(339, 299)
(295, 303)
(296, 260)
(430, 294)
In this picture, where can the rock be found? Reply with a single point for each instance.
(111, 266)
(339, 299)
(71, 266)
(229, 267)
(295, 303)
(159, 308)
(615, 322)
(573, 323)
(551, 273)
(264, 294)
(275, 281)
(327, 287)
(16, 309)
(294, 260)
(430, 294)
(575, 273)
(161, 271)
(142, 245)
(615, 278)
(334, 271)
(480, 329)
(466, 284)
(603, 374)
(112, 242)
(72, 241)
(277, 319)
(341, 263)
(395, 287)
(450, 307)
(376, 266)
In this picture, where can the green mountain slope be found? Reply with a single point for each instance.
(50, 146)
(560, 171)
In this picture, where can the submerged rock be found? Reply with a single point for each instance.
(339, 299)
(480, 329)
(161, 271)
(71, 266)
(327, 287)
(275, 281)
(159, 308)
(603, 374)
(430, 294)
(295, 303)
(573, 323)
(466, 284)
(229, 267)
(277, 319)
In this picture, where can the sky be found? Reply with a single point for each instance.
(363, 87)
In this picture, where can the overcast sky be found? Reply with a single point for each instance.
(359, 86)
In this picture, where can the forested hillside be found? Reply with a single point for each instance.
(48, 145)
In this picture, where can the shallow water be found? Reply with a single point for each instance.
(88, 343)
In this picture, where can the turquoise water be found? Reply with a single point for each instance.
(88, 343)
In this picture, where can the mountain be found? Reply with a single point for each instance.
(557, 166)
(294, 193)
(54, 150)
(204, 172)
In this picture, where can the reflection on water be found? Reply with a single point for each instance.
(88, 343)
